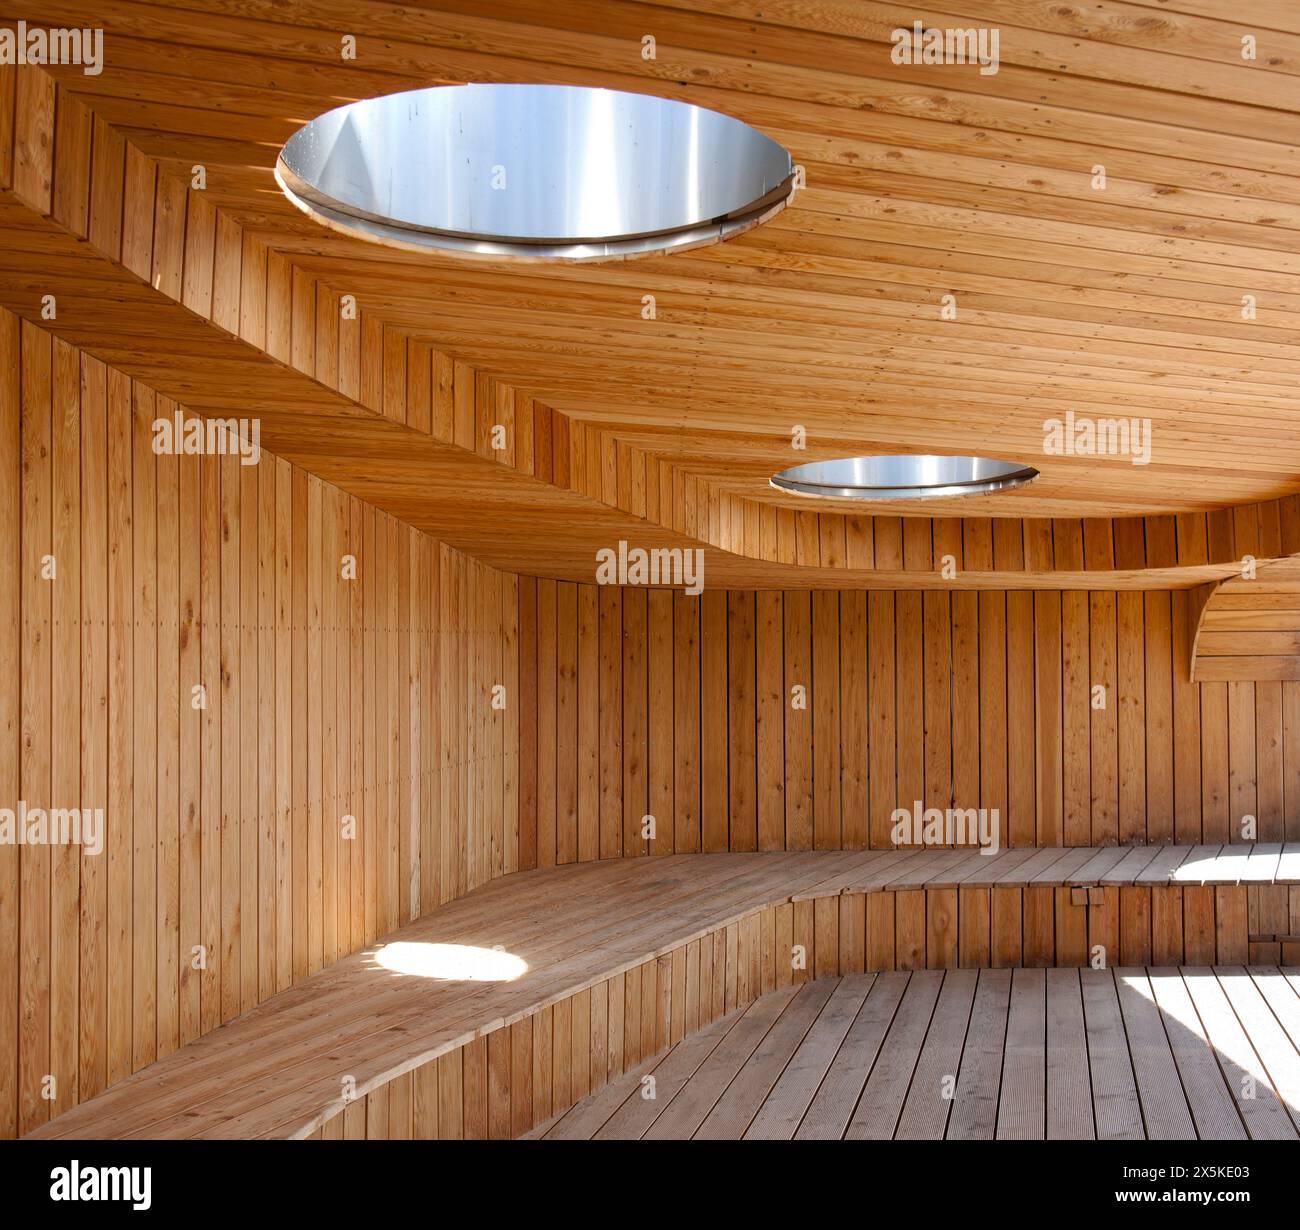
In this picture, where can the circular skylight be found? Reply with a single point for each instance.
(543, 172)
(909, 477)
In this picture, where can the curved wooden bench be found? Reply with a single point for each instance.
(625, 957)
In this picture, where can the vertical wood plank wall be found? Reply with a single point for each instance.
(325, 698)
(957, 699)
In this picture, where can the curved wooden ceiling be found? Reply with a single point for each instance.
(923, 181)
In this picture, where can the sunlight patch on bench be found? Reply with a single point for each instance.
(451, 962)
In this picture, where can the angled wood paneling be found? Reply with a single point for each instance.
(1118, 297)
(161, 244)
(1248, 627)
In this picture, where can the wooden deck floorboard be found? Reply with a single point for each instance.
(1081, 1054)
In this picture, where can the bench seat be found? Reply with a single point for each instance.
(676, 940)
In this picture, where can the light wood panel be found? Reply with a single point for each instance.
(622, 957)
(186, 650)
(246, 274)
(372, 695)
(1122, 299)
(1030, 713)
(232, 330)
(1247, 628)
(1126, 1057)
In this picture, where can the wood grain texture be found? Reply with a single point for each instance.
(344, 393)
(477, 706)
(894, 720)
(793, 1062)
(609, 933)
(1119, 296)
(196, 663)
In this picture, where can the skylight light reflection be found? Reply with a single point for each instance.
(537, 172)
(450, 962)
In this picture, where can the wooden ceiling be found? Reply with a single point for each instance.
(922, 181)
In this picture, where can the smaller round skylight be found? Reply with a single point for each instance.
(541, 172)
(905, 477)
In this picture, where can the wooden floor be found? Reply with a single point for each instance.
(275, 1071)
(977, 1054)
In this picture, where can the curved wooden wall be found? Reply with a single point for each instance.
(1248, 628)
(1058, 552)
(632, 703)
(324, 698)
(654, 703)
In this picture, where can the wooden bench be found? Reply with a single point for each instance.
(496, 1011)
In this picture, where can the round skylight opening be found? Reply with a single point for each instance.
(906, 477)
(540, 172)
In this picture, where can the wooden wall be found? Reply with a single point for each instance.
(654, 703)
(325, 697)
